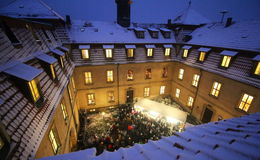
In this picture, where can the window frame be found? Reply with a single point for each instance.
(190, 101)
(83, 51)
(195, 80)
(162, 90)
(185, 53)
(109, 76)
(177, 94)
(106, 53)
(169, 51)
(255, 68)
(204, 58)
(216, 90)
(133, 52)
(147, 91)
(181, 75)
(109, 96)
(245, 103)
(227, 62)
(128, 78)
(149, 51)
(148, 75)
(56, 139)
(88, 80)
(34, 90)
(91, 97)
(64, 112)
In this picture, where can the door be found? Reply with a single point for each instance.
(207, 115)
(129, 96)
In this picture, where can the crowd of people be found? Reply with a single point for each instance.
(119, 127)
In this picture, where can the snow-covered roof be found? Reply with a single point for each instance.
(110, 32)
(130, 46)
(190, 17)
(228, 53)
(240, 35)
(150, 46)
(153, 29)
(256, 58)
(165, 30)
(35, 9)
(84, 46)
(187, 47)
(46, 58)
(57, 52)
(236, 138)
(168, 46)
(203, 49)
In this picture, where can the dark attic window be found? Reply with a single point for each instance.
(46, 35)
(35, 36)
(66, 52)
(47, 63)
(166, 33)
(153, 32)
(25, 78)
(256, 66)
(139, 32)
(4, 142)
(54, 35)
(8, 32)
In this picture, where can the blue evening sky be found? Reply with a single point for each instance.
(157, 11)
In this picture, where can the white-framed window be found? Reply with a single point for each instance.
(130, 53)
(177, 93)
(257, 69)
(54, 139)
(111, 96)
(85, 53)
(215, 90)
(130, 75)
(202, 56)
(195, 80)
(109, 53)
(64, 111)
(162, 89)
(88, 77)
(181, 73)
(167, 52)
(245, 102)
(226, 61)
(190, 101)
(185, 53)
(149, 52)
(146, 92)
(110, 77)
(91, 98)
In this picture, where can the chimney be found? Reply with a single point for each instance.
(68, 21)
(123, 12)
(229, 22)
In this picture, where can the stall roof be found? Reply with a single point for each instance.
(228, 53)
(46, 58)
(130, 46)
(23, 71)
(57, 52)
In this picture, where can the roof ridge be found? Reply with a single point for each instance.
(50, 9)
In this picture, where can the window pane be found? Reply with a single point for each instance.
(148, 73)
(181, 72)
(178, 91)
(91, 99)
(167, 51)
(34, 90)
(54, 141)
(130, 75)
(146, 92)
(130, 52)
(88, 77)
(52, 71)
(149, 52)
(185, 53)
(202, 56)
(257, 70)
(64, 111)
(109, 53)
(110, 76)
(162, 89)
(85, 53)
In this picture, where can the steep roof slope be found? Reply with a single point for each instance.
(36, 9)
(241, 35)
(237, 138)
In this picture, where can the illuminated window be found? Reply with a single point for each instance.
(215, 89)
(1, 143)
(34, 90)
(110, 76)
(177, 93)
(257, 70)
(167, 51)
(202, 56)
(91, 99)
(64, 111)
(130, 75)
(195, 80)
(146, 92)
(190, 101)
(54, 140)
(61, 61)
(53, 73)
(109, 53)
(130, 53)
(226, 61)
(88, 78)
(185, 53)
(246, 101)
(162, 89)
(148, 73)
(149, 52)
(111, 97)
(181, 73)
(165, 72)
(73, 83)
(85, 53)
(70, 96)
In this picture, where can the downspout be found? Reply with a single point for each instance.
(196, 93)
(117, 67)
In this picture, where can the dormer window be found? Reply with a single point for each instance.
(35, 36)
(139, 32)
(48, 64)
(130, 51)
(60, 56)
(256, 70)
(149, 50)
(25, 77)
(227, 57)
(167, 50)
(66, 51)
(153, 32)
(85, 51)
(185, 53)
(202, 54)
(46, 35)
(108, 51)
(9, 33)
(4, 142)
(166, 33)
